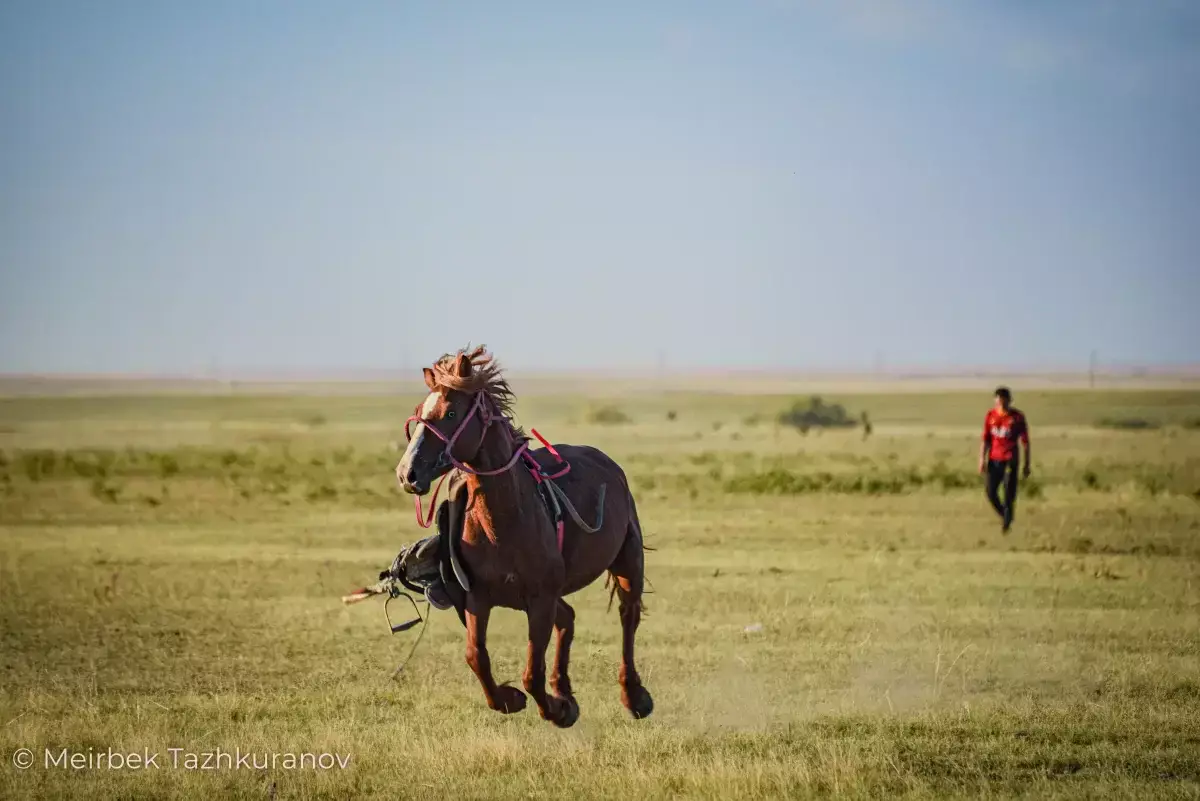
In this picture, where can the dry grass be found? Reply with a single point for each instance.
(172, 568)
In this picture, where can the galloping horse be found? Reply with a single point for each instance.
(516, 555)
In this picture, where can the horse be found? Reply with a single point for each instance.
(515, 553)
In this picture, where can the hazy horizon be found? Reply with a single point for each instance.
(306, 187)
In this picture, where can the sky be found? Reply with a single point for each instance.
(769, 184)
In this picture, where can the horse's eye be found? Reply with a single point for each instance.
(450, 415)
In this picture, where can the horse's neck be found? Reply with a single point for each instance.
(498, 500)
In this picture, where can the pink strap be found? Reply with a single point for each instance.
(522, 452)
(432, 504)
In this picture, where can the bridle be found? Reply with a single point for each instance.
(483, 406)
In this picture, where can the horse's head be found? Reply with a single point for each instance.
(450, 424)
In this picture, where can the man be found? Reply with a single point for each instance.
(1003, 427)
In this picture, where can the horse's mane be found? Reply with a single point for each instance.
(487, 376)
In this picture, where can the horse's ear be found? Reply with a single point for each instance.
(462, 365)
(430, 380)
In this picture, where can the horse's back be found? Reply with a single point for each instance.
(589, 461)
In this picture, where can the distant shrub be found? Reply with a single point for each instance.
(324, 492)
(1191, 423)
(949, 479)
(671, 414)
(645, 483)
(315, 420)
(815, 413)
(752, 420)
(779, 481)
(1090, 480)
(607, 415)
(1128, 423)
(168, 465)
(104, 492)
(229, 458)
(1152, 483)
(1080, 545)
(38, 464)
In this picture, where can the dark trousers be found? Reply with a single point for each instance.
(1003, 473)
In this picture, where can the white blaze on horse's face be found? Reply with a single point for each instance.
(414, 444)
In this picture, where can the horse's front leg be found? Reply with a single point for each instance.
(564, 629)
(501, 698)
(541, 611)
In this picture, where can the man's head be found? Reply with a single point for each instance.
(1003, 398)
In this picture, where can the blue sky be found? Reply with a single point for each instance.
(792, 183)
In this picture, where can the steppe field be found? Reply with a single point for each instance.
(831, 615)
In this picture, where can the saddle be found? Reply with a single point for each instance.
(451, 518)
(434, 565)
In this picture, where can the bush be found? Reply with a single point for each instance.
(815, 413)
(950, 479)
(1128, 423)
(779, 481)
(104, 491)
(607, 416)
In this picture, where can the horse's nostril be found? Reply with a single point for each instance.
(410, 477)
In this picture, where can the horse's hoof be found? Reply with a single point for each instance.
(509, 700)
(569, 714)
(638, 702)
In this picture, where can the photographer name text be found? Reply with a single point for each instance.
(187, 759)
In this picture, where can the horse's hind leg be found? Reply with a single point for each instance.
(628, 571)
(564, 627)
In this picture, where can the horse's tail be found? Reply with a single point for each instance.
(635, 530)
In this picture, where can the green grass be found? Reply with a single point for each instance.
(830, 616)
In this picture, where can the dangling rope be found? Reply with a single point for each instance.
(391, 588)
(420, 634)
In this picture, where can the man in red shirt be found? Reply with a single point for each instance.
(1003, 428)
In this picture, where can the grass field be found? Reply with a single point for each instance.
(830, 616)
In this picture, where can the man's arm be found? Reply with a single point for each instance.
(1025, 443)
(986, 444)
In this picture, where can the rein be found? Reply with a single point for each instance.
(481, 407)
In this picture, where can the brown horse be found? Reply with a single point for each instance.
(514, 553)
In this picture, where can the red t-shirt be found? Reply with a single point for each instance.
(1002, 430)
